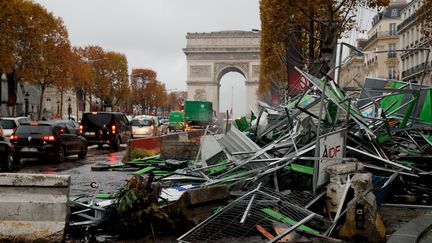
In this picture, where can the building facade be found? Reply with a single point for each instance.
(413, 62)
(383, 36)
(353, 68)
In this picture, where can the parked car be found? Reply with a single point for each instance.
(9, 124)
(7, 156)
(112, 128)
(176, 121)
(47, 139)
(143, 127)
(164, 126)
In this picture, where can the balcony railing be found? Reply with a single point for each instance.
(391, 54)
(414, 70)
(380, 34)
(407, 21)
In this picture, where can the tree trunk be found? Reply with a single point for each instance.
(311, 41)
(12, 91)
(90, 100)
(40, 102)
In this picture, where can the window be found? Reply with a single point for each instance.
(392, 29)
(391, 52)
(392, 72)
(394, 13)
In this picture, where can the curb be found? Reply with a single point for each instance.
(412, 231)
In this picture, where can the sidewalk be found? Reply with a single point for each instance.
(416, 230)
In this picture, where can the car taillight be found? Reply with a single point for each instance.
(14, 137)
(48, 138)
(81, 129)
(113, 129)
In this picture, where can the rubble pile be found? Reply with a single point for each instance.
(317, 167)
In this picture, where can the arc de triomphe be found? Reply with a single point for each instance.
(211, 55)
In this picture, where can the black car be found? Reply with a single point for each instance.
(47, 138)
(112, 128)
(7, 156)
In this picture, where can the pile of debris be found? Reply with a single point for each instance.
(317, 167)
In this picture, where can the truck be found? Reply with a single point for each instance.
(198, 114)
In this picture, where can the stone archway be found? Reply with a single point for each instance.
(211, 55)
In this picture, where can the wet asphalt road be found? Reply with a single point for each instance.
(80, 171)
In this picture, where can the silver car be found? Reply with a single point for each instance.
(10, 124)
(144, 127)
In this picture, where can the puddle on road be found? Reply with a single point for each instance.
(114, 158)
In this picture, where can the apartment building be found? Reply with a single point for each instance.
(353, 68)
(413, 62)
(382, 36)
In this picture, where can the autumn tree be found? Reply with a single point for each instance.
(118, 85)
(302, 34)
(140, 77)
(81, 76)
(94, 56)
(110, 81)
(157, 94)
(425, 21)
(25, 29)
(173, 102)
(54, 66)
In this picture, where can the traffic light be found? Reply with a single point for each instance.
(182, 106)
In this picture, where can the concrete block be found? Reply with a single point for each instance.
(196, 205)
(179, 150)
(340, 169)
(203, 195)
(33, 207)
(361, 182)
(362, 218)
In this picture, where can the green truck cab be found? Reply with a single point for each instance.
(176, 121)
(198, 114)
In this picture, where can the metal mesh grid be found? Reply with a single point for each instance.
(227, 224)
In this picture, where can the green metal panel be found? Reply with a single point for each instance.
(242, 124)
(282, 218)
(426, 113)
(388, 101)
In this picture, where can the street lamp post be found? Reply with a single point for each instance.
(26, 100)
(69, 108)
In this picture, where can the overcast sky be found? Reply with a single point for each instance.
(152, 33)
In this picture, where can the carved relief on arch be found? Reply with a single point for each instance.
(200, 71)
(243, 66)
(255, 70)
(200, 95)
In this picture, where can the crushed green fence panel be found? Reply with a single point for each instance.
(242, 124)
(282, 218)
(144, 171)
(386, 102)
(426, 113)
